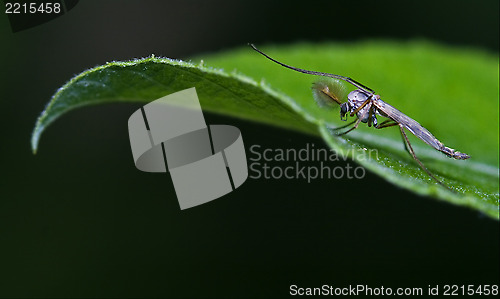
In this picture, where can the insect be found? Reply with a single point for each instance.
(366, 106)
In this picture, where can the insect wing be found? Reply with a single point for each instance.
(329, 93)
(413, 126)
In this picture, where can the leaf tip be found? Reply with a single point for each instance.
(35, 136)
(34, 142)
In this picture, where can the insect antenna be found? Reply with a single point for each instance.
(347, 79)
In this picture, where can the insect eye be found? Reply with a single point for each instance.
(343, 109)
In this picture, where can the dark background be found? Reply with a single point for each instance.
(79, 220)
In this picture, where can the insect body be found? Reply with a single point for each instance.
(359, 98)
(366, 106)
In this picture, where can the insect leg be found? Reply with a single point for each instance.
(370, 115)
(354, 127)
(407, 143)
(344, 126)
(385, 124)
(358, 121)
(391, 123)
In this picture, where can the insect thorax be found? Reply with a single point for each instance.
(356, 98)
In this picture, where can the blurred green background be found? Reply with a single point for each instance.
(79, 220)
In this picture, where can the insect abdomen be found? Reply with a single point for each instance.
(454, 154)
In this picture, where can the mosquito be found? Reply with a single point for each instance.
(366, 105)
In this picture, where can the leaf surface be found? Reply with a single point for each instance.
(452, 92)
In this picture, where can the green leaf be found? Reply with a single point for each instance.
(452, 92)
